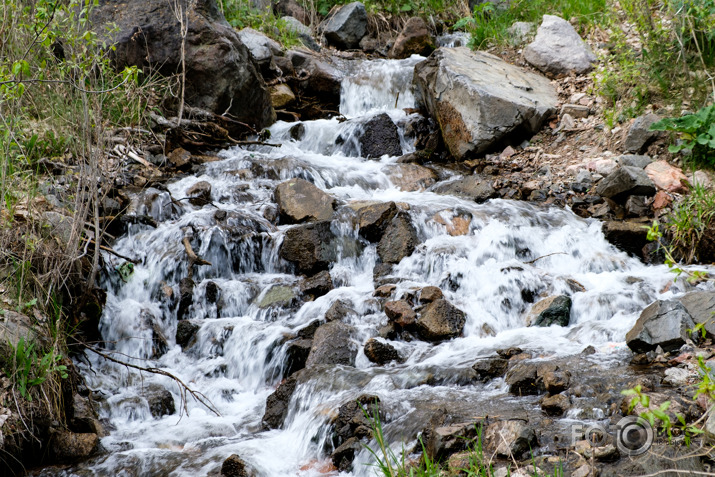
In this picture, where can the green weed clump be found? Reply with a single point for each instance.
(31, 367)
(242, 14)
(696, 134)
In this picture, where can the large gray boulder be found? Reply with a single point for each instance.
(300, 201)
(624, 182)
(309, 247)
(664, 323)
(333, 344)
(701, 308)
(479, 99)
(220, 74)
(347, 26)
(558, 49)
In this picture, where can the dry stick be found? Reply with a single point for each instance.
(193, 258)
(113, 252)
(199, 396)
(531, 262)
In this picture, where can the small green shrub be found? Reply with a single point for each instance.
(28, 368)
(696, 133)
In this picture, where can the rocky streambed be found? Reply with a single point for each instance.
(287, 284)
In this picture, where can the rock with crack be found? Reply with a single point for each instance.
(478, 99)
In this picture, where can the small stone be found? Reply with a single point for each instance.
(639, 134)
(338, 311)
(281, 95)
(380, 352)
(550, 311)
(401, 313)
(440, 320)
(490, 368)
(317, 285)
(575, 110)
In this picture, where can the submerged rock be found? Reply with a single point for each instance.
(478, 99)
(663, 323)
(440, 320)
(161, 401)
(558, 49)
(333, 344)
(297, 354)
(300, 201)
(277, 403)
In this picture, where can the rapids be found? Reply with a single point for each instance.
(511, 250)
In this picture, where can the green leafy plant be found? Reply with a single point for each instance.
(32, 369)
(696, 133)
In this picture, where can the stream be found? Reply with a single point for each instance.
(511, 252)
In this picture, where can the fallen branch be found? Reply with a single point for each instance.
(183, 388)
(113, 252)
(193, 258)
(531, 262)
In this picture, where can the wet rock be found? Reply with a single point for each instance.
(456, 225)
(281, 96)
(700, 305)
(639, 134)
(343, 456)
(297, 354)
(440, 320)
(401, 313)
(300, 201)
(414, 39)
(512, 439)
(554, 310)
(555, 405)
(309, 247)
(297, 132)
(277, 403)
(277, 295)
(379, 137)
(161, 401)
(82, 416)
(381, 353)
(213, 292)
(186, 297)
(430, 294)
(556, 381)
(308, 331)
(68, 447)
(317, 285)
(666, 177)
(477, 99)
(234, 466)
(490, 368)
(630, 237)
(260, 46)
(522, 379)
(663, 323)
(333, 344)
(199, 194)
(351, 421)
(474, 187)
(384, 291)
(625, 181)
(509, 353)
(398, 241)
(186, 333)
(634, 160)
(221, 76)
(347, 26)
(411, 177)
(558, 49)
(374, 220)
(338, 311)
(323, 79)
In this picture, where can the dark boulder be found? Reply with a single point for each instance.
(639, 134)
(161, 401)
(186, 333)
(398, 241)
(374, 220)
(297, 355)
(414, 39)
(309, 247)
(430, 294)
(628, 236)
(278, 402)
(440, 320)
(554, 310)
(663, 323)
(522, 379)
(380, 137)
(555, 405)
(220, 74)
(317, 285)
(624, 182)
(317, 76)
(490, 368)
(234, 466)
(347, 26)
(300, 201)
(68, 447)
(186, 294)
(381, 353)
(343, 456)
(338, 310)
(333, 344)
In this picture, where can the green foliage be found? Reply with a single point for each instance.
(29, 368)
(445, 9)
(490, 21)
(684, 228)
(242, 14)
(696, 133)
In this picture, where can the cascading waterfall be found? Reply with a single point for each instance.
(239, 353)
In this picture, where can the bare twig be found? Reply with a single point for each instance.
(531, 262)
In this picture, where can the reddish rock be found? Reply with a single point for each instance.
(666, 177)
(662, 199)
(430, 294)
(400, 312)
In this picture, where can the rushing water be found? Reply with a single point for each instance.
(239, 355)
